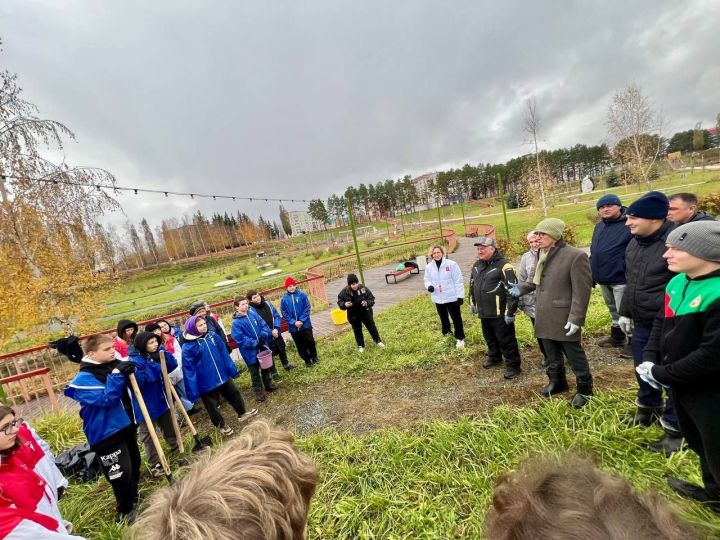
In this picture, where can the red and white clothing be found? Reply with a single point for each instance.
(29, 482)
(121, 348)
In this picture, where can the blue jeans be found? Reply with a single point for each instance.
(647, 396)
(182, 394)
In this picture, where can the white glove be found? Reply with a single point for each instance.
(514, 290)
(175, 376)
(571, 328)
(626, 325)
(645, 372)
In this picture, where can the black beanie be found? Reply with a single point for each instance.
(352, 278)
(141, 341)
(151, 327)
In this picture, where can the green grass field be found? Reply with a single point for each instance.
(433, 479)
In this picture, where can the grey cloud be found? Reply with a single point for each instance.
(286, 99)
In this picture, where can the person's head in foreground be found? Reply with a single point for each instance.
(694, 248)
(256, 486)
(569, 498)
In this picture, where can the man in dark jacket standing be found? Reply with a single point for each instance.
(682, 352)
(607, 261)
(358, 301)
(647, 275)
(683, 208)
(562, 283)
(272, 318)
(489, 280)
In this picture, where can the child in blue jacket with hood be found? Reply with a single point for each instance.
(145, 354)
(208, 371)
(252, 334)
(108, 418)
(295, 308)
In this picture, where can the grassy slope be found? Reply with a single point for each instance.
(433, 481)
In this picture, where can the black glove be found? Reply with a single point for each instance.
(431, 289)
(460, 301)
(126, 367)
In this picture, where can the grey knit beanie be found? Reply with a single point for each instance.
(698, 238)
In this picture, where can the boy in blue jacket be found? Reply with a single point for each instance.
(145, 354)
(295, 308)
(209, 371)
(252, 334)
(108, 420)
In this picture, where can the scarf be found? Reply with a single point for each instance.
(542, 257)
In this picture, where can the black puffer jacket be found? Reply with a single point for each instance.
(487, 287)
(647, 275)
(357, 311)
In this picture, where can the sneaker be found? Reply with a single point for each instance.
(193, 410)
(288, 367)
(247, 416)
(626, 352)
(511, 373)
(315, 360)
(276, 377)
(226, 431)
(460, 344)
(669, 444)
(157, 471)
(308, 364)
(381, 344)
(490, 362)
(361, 350)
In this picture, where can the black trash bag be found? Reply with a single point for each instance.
(79, 462)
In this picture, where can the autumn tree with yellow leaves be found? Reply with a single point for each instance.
(53, 263)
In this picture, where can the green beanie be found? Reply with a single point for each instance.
(553, 227)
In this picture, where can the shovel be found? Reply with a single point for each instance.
(200, 443)
(151, 428)
(168, 386)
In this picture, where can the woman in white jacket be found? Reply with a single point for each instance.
(444, 282)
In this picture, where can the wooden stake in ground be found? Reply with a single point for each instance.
(199, 443)
(168, 395)
(151, 428)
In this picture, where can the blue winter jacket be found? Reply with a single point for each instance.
(206, 364)
(296, 307)
(607, 250)
(101, 410)
(249, 332)
(149, 378)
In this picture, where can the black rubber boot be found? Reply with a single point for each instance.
(491, 362)
(583, 394)
(626, 351)
(669, 444)
(558, 383)
(615, 339)
(511, 372)
(646, 417)
(688, 489)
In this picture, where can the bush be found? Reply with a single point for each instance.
(514, 200)
(570, 235)
(229, 276)
(613, 179)
(710, 203)
(244, 270)
(508, 248)
(317, 254)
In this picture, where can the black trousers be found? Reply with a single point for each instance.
(452, 309)
(501, 341)
(305, 343)
(119, 458)
(277, 346)
(364, 318)
(260, 378)
(575, 355)
(211, 400)
(698, 411)
(539, 341)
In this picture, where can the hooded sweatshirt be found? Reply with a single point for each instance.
(121, 346)
(148, 373)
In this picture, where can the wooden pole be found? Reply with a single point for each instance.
(168, 397)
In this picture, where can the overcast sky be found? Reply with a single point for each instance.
(303, 98)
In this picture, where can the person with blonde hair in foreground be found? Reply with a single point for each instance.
(568, 497)
(257, 486)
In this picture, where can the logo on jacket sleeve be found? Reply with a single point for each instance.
(696, 302)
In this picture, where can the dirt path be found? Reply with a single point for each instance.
(405, 398)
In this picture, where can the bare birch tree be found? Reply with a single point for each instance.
(532, 128)
(636, 129)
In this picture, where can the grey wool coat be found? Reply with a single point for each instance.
(563, 294)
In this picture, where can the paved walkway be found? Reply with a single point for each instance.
(388, 295)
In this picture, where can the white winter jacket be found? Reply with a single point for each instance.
(447, 280)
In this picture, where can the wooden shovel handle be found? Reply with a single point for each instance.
(183, 411)
(168, 386)
(149, 424)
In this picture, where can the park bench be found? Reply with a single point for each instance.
(399, 273)
(43, 374)
(471, 232)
